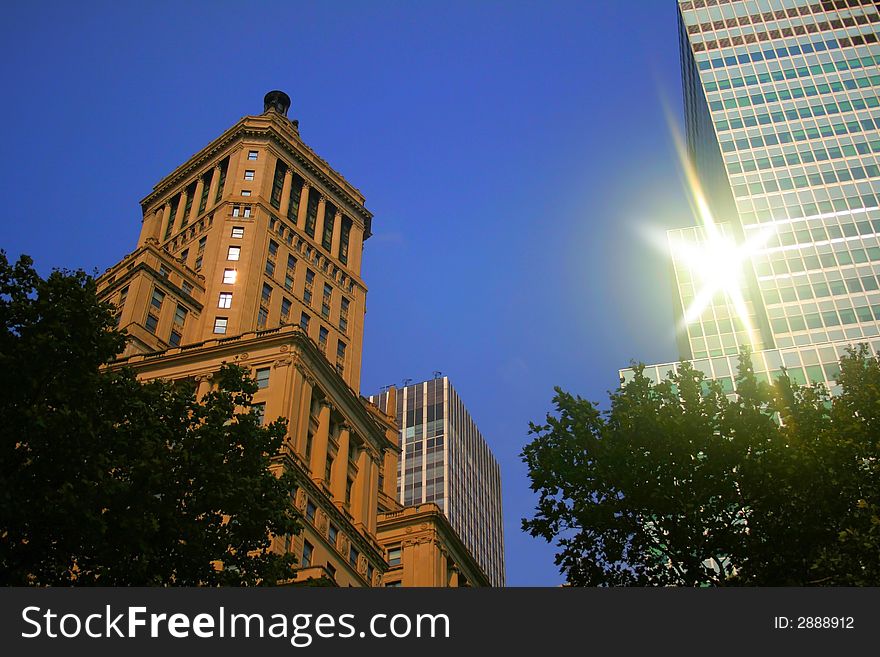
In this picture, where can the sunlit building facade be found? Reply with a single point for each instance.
(445, 460)
(250, 253)
(782, 122)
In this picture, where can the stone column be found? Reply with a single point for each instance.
(320, 442)
(204, 384)
(339, 474)
(215, 183)
(197, 199)
(285, 193)
(373, 497)
(319, 220)
(391, 473)
(337, 235)
(181, 206)
(360, 496)
(303, 204)
(151, 226)
(166, 217)
(355, 249)
(301, 417)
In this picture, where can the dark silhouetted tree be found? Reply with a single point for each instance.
(110, 481)
(678, 484)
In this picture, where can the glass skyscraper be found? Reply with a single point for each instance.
(782, 117)
(445, 460)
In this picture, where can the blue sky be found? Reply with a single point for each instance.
(511, 152)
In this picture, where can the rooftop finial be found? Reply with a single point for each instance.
(278, 101)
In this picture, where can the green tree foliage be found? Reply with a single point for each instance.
(105, 480)
(676, 484)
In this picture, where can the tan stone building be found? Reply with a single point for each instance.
(250, 253)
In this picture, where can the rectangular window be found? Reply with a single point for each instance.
(260, 411)
(310, 510)
(329, 220)
(344, 239)
(245, 192)
(225, 300)
(322, 338)
(394, 557)
(332, 533)
(123, 295)
(220, 324)
(184, 256)
(180, 315)
(262, 317)
(234, 253)
(343, 314)
(236, 210)
(307, 292)
(353, 555)
(249, 174)
(340, 356)
(307, 554)
(278, 184)
(289, 274)
(295, 193)
(229, 276)
(164, 271)
(187, 287)
(252, 155)
(273, 248)
(285, 309)
(262, 377)
(152, 322)
(202, 242)
(325, 300)
(312, 212)
(270, 267)
(158, 298)
(174, 338)
(247, 211)
(304, 322)
(267, 293)
(238, 232)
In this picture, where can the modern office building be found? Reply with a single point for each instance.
(250, 253)
(445, 460)
(783, 143)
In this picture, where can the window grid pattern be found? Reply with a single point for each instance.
(445, 460)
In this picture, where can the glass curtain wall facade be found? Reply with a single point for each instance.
(783, 127)
(445, 460)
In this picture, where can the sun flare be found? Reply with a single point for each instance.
(718, 262)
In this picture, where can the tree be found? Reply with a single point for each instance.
(677, 484)
(107, 480)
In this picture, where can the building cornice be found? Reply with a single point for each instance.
(226, 349)
(427, 513)
(265, 126)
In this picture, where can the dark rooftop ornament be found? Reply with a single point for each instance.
(278, 101)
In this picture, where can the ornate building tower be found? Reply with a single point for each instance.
(252, 232)
(250, 252)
